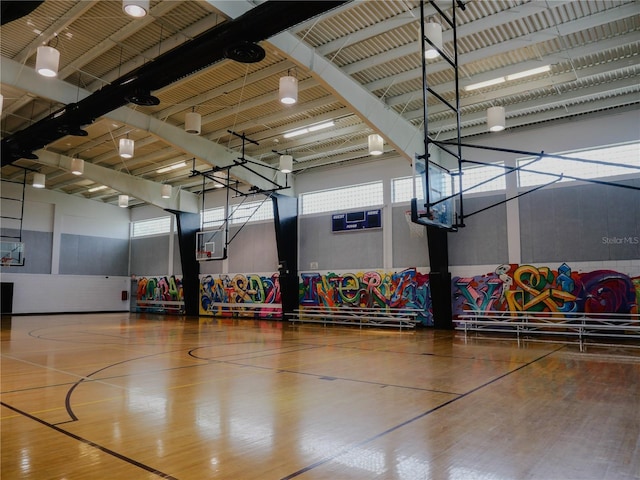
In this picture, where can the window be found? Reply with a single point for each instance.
(155, 226)
(473, 176)
(213, 217)
(251, 212)
(628, 154)
(402, 189)
(355, 196)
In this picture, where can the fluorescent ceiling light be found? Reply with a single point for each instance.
(528, 73)
(312, 128)
(96, 189)
(513, 76)
(171, 167)
(486, 83)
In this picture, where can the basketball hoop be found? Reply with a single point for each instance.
(415, 229)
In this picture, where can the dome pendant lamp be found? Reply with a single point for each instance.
(496, 121)
(38, 180)
(193, 123)
(77, 166)
(166, 191)
(286, 163)
(126, 147)
(47, 60)
(288, 92)
(376, 144)
(135, 8)
(123, 201)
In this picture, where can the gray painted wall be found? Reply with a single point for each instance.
(483, 241)
(580, 223)
(336, 251)
(408, 251)
(254, 249)
(85, 255)
(150, 255)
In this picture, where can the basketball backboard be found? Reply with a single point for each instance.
(438, 206)
(211, 245)
(11, 254)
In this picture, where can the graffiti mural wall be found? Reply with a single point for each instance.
(159, 294)
(371, 289)
(240, 295)
(525, 288)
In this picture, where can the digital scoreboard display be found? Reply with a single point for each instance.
(361, 220)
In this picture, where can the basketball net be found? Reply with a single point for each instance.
(415, 229)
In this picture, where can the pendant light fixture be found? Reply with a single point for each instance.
(77, 166)
(135, 8)
(47, 60)
(193, 122)
(126, 147)
(123, 201)
(433, 31)
(376, 144)
(166, 191)
(38, 180)
(496, 119)
(286, 163)
(288, 92)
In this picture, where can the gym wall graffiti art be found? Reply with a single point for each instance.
(240, 295)
(371, 289)
(159, 294)
(526, 288)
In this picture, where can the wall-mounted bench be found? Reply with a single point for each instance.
(357, 316)
(582, 327)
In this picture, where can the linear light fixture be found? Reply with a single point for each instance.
(175, 166)
(512, 76)
(529, 73)
(312, 128)
(97, 189)
(486, 83)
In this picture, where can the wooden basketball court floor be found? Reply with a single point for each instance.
(125, 396)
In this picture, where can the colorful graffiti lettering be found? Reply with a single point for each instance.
(151, 292)
(372, 289)
(525, 288)
(240, 295)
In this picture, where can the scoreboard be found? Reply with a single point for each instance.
(361, 220)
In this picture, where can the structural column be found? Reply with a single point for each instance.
(439, 277)
(285, 214)
(188, 226)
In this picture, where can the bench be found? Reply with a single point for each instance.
(583, 326)
(244, 309)
(360, 316)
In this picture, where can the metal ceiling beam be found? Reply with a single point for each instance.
(139, 188)
(16, 75)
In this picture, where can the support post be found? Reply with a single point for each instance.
(285, 215)
(440, 278)
(188, 225)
